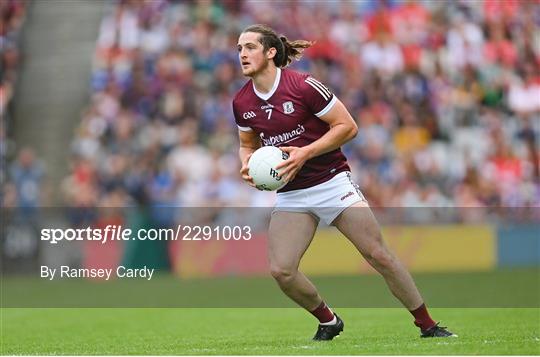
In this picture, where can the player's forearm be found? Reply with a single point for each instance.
(249, 142)
(244, 152)
(338, 135)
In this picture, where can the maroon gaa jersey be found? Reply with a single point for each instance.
(288, 115)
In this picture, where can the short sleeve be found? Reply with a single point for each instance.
(237, 118)
(317, 96)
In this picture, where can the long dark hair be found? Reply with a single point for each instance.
(286, 50)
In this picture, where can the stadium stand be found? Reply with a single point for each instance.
(446, 95)
(20, 171)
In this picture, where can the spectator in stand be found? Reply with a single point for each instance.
(27, 174)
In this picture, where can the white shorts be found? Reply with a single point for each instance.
(325, 201)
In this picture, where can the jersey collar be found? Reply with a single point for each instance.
(266, 96)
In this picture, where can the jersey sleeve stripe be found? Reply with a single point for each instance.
(327, 108)
(244, 128)
(322, 86)
(319, 85)
(322, 93)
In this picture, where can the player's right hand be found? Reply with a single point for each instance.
(244, 172)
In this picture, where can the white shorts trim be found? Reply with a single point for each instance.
(325, 201)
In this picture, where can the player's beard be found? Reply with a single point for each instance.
(254, 72)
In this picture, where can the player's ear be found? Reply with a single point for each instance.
(271, 53)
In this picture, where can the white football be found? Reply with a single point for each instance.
(262, 167)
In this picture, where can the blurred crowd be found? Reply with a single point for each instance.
(446, 95)
(19, 168)
(12, 14)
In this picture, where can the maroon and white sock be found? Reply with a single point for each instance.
(422, 318)
(324, 314)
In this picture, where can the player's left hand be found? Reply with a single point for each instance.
(291, 166)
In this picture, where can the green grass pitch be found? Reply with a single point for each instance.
(262, 331)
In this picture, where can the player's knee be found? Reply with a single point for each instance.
(282, 275)
(381, 258)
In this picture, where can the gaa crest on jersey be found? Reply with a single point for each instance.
(288, 107)
(249, 115)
